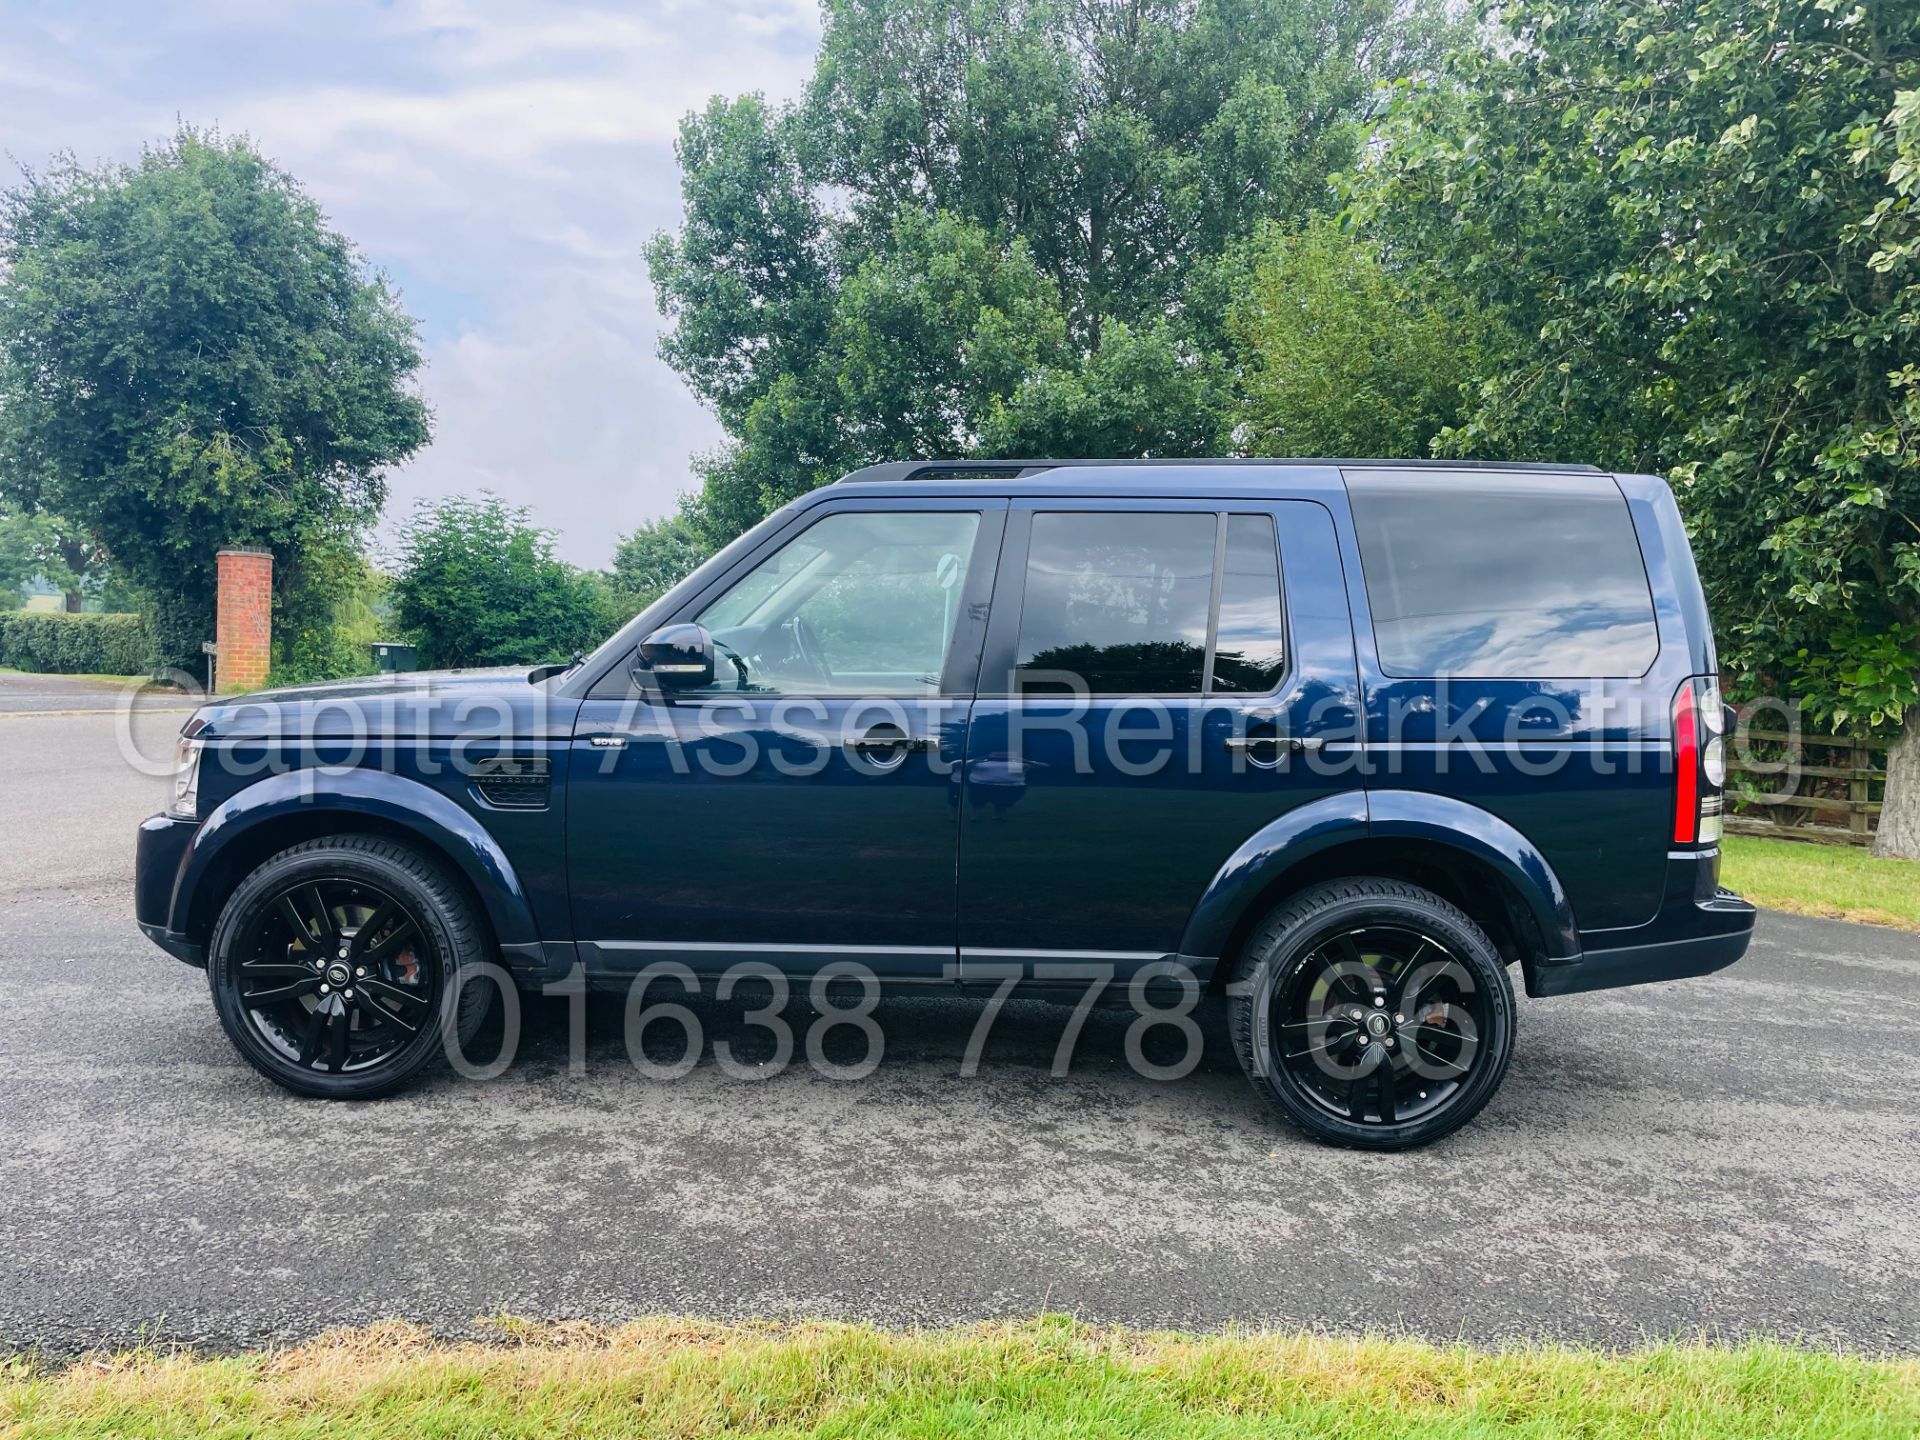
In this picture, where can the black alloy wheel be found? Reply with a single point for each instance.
(341, 975)
(1372, 1013)
(333, 966)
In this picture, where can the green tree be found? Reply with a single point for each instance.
(328, 616)
(21, 539)
(1343, 352)
(34, 543)
(477, 584)
(1705, 213)
(990, 225)
(190, 357)
(652, 560)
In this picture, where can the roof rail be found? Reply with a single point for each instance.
(892, 471)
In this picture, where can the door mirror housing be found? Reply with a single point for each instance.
(678, 657)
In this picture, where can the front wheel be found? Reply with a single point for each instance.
(337, 966)
(1372, 1013)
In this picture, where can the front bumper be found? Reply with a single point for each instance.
(161, 851)
(1699, 929)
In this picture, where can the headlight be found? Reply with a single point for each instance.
(185, 804)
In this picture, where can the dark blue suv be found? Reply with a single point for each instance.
(1344, 742)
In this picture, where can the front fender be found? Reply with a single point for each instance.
(418, 809)
(1263, 857)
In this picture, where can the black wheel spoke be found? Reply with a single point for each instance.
(1383, 1092)
(403, 934)
(394, 992)
(372, 926)
(381, 1015)
(311, 1037)
(337, 1039)
(301, 931)
(325, 930)
(1405, 988)
(1312, 1050)
(276, 967)
(305, 985)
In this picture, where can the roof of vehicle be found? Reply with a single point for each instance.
(900, 470)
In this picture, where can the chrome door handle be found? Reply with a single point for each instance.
(890, 744)
(1295, 743)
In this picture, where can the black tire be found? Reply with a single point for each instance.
(1328, 971)
(421, 960)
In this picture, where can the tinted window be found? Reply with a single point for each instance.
(1248, 650)
(1495, 575)
(1119, 600)
(860, 603)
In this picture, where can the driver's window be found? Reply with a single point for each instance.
(861, 603)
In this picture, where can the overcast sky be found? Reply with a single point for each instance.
(503, 163)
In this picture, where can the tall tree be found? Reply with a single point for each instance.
(652, 560)
(57, 551)
(1706, 213)
(1344, 350)
(190, 357)
(989, 225)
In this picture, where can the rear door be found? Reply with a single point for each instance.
(1142, 683)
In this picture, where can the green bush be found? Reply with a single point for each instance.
(61, 644)
(478, 584)
(327, 617)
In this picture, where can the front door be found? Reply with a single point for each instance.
(803, 807)
(1143, 689)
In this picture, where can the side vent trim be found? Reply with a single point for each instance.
(513, 782)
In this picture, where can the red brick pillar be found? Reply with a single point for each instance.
(244, 630)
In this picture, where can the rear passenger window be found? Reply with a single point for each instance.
(1123, 601)
(1247, 654)
(1472, 574)
(1120, 600)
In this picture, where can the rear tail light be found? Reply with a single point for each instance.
(1699, 762)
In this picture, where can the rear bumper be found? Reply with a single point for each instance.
(161, 851)
(1699, 929)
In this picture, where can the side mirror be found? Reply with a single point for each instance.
(678, 657)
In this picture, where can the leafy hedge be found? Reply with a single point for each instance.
(62, 644)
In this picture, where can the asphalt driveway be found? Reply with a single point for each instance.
(1733, 1155)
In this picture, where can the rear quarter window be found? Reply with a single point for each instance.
(1472, 574)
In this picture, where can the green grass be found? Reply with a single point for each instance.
(100, 679)
(1842, 882)
(1045, 1377)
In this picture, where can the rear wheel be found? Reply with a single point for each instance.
(1372, 1013)
(336, 965)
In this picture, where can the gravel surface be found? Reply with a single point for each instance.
(1733, 1155)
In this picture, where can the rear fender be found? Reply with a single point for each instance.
(1403, 815)
(1266, 855)
(1442, 820)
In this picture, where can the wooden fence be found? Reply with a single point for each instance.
(1804, 786)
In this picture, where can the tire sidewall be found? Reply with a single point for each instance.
(242, 914)
(1288, 949)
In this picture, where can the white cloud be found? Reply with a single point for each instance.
(504, 161)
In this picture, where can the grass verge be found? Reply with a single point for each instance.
(1840, 882)
(1036, 1378)
(89, 678)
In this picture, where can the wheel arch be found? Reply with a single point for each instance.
(1466, 855)
(287, 809)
